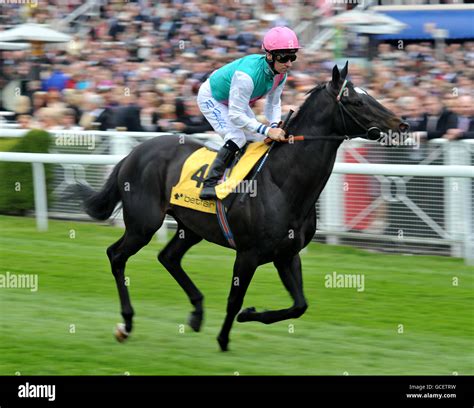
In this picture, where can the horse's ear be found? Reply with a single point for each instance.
(335, 76)
(344, 70)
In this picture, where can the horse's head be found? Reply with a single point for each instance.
(359, 114)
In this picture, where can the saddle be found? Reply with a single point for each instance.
(194, 171)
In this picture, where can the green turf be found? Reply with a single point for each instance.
(342, 331)
(6, 144)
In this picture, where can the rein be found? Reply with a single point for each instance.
(343, 111)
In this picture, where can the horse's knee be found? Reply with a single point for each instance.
(164, 258)
(116, 261)
(110, 252)
(234, 306)
(299, 310)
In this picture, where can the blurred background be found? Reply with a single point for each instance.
(108, 66)
(96, 78)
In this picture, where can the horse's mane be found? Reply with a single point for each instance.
(318, 87)
(308, 103)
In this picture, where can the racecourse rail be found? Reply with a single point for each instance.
(463, 239)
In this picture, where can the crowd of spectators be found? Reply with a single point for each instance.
(139, 67)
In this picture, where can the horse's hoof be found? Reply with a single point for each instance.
(244, 315)
(121, 334)
(223, 344)
(195, 320)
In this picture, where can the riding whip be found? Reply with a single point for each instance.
(284, 126)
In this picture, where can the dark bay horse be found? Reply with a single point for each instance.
(272, 227)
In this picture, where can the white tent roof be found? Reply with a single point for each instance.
(33, 32)
(6, 46)
(365, 19)
(375, 29)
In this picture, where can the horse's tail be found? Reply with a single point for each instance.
(100, 205)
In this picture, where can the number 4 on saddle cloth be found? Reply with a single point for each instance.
(194, 171)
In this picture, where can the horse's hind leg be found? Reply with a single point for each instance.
(289, 270)
(171, 257)
(118, 253)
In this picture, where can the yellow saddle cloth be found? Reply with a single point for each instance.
(195, 169)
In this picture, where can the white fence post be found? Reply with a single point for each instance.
(332, 204)
(41, 197)
(456, 190)
(468, 222)
(468, 227)
(119, 146)
(162, 233)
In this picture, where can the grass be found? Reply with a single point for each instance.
(65, 328)
(6, 144)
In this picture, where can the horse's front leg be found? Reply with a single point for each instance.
(289, 270)
(244, 268)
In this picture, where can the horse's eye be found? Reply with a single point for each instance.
(359, 103)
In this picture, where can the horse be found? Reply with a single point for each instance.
(273, 227)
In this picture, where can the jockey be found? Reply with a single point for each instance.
(226, 97)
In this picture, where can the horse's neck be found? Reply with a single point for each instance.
(305, 168)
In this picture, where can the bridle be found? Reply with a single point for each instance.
(343, 110)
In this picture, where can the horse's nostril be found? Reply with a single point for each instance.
(404, 126)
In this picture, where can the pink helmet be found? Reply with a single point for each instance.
(280, 38)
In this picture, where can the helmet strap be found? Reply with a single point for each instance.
(271, 63)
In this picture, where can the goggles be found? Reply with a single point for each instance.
(284, 58)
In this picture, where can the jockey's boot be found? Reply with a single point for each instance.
(224, 157)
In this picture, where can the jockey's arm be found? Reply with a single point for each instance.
(241, 89)
(272, 107)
